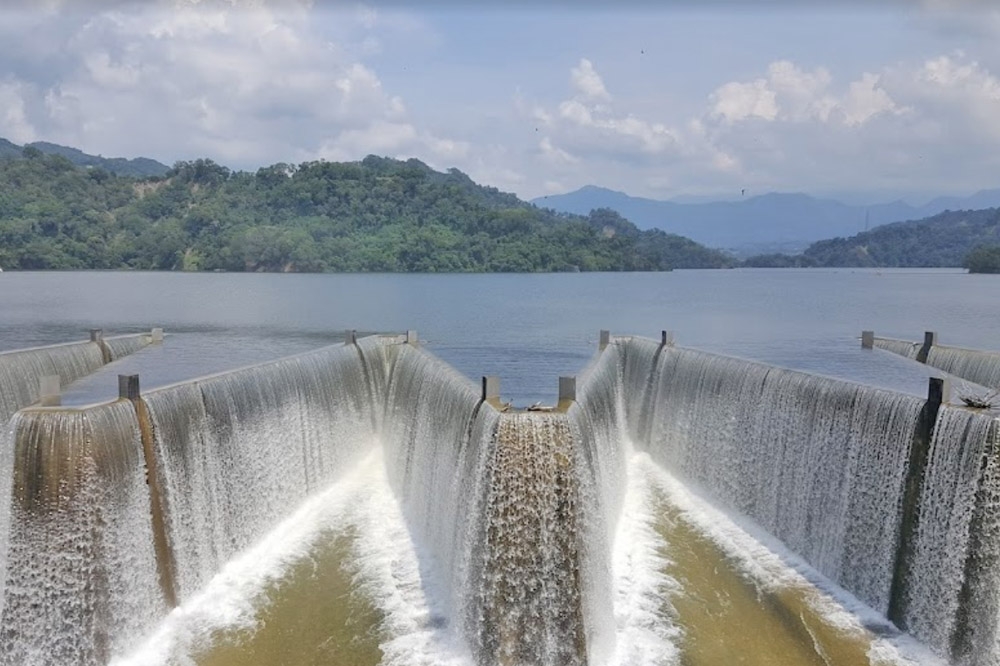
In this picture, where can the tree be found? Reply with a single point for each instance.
(984, 259)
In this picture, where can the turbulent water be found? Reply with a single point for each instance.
(954, 484)
(980, 367)
(81, 544)
(816, 462)
(519, 534)
(21, 371)
(239, 451)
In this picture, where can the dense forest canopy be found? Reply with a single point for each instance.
(379, 214)
(984, 259)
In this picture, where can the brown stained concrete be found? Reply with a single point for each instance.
(313, 616)
(728, 618)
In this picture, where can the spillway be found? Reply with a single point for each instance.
(21, 371)
(977, 366)
(529, 543)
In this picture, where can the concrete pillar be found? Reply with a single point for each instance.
(930, 339)
(411, 337)
(351, 337)
(666, 338)
(909, 527)
(157, 335)
(128, 387)
(867, 339)
(604, 340)
(938, 391)
(96, 335)
(49, 391)
(567, 388)
(491, 388)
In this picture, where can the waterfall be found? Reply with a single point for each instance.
(438, 438)
(817, 462)
(901, 347)
(81, 580)
(530, 584)
(21, 371)
(598, 420)
(980, 367)
(121, 346)
(512, 516)
(239, 451)
(959, 456)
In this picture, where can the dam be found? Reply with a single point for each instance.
(366, 503)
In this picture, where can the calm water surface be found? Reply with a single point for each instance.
(528, 329)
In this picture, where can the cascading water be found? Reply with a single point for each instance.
(438, 438)
(80, 540)
(121, 346)
(597, 418)
(953, 484)
(529, 588)
(21, 371)
(817, 462)
(513, 516)
(980, 367)
(901, 347)
(239, 451)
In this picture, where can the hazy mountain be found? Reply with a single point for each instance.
(139, 167)
(767, 223)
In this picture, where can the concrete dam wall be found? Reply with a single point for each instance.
(888, 495)
(22, 371)
(119, 512)
(977, 366)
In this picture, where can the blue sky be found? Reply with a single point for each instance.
(865, 101)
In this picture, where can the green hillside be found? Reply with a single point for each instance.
(375, 215)
(942, 240)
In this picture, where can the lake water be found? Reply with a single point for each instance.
(528, 329)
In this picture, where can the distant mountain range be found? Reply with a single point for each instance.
(761, 224)
(140, 167)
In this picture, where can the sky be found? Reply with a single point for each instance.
(860, 101)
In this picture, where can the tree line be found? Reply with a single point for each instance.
(968, 238)
(378, 214)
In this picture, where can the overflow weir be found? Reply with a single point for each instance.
(116, 513)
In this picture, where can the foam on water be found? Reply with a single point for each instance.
(439, 439)
(819, 463)
(388, 573)
(238, 451)
(644, 632)
(772, 566)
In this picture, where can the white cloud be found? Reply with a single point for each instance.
(866, 99)
(587, 81)
(13, 115)
(244, 82)
(734, 101)
(792, 94)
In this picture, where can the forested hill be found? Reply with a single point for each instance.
(375, 215)
(942, 240)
